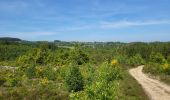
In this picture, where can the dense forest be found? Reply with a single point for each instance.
(78, 70)
(9, 39)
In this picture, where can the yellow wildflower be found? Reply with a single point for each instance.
(44, 81)
(165, 66)
(39, 71)
(114, 62)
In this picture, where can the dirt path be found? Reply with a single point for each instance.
(155, 89)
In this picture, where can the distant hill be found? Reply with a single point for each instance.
(9, 39)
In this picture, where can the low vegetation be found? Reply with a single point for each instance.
(159, 66)
(77, 71)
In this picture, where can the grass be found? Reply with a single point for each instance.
(50, 92)
(130, 89)
(30, 89)
(161, 77)
(165, 78)
(154, 73)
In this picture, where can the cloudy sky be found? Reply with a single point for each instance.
(86, 20)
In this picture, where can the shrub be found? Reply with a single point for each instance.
(50, 73)
(12, 80)
(2, 81)
(74, 79)
(136, 60)
(41, 56)
(166, 68)
(31, 72)
(79, 57)
(157, 58)
(153, 68)
(105, 85)
(168, 59)
(121, 59)
(37, 56)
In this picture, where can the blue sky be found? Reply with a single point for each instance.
(86, 20)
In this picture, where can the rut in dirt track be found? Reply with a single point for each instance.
(155, 89)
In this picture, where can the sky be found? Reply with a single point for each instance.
(86, 20)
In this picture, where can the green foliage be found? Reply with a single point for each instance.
(166, 68)
(79, 57)
(25, 59)
(11, 52)
(121, 59)
(103, 91)
(157, 58)
(2, 81)
(145, 49)
(130, 89)
(136, 60)
(104, 85)
(168, 59)
(50, 73)
(74, 79)
(12, 80)
(4, 75)
(158, 66)
(41, 56)
(43, 69)
(31, 72)
(34, 91)
(108, 73)
(88, 73)
(153, 68)
(36, 56)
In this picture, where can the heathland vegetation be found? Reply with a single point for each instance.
(78, 70)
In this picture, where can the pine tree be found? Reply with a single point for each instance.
(74, 79)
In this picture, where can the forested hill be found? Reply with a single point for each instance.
(9, 39)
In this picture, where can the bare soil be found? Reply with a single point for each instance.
(155, 89)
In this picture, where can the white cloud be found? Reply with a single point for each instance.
(115, 25)
(125, 23)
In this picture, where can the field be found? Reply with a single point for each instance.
(78, 70)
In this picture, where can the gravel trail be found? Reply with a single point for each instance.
(155, 89)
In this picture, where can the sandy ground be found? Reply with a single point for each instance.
(155, 89)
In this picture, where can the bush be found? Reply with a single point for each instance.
(41, 56)
(12, 80)
(157, 58)
(153, 68)
(168, 59)
(136, 60)
(2, 81)
(121, 59)
(50, 73)
(31, 72)
(36, 56)
(74, 79)
(166, 68)
(79, 57)
(104, 86)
